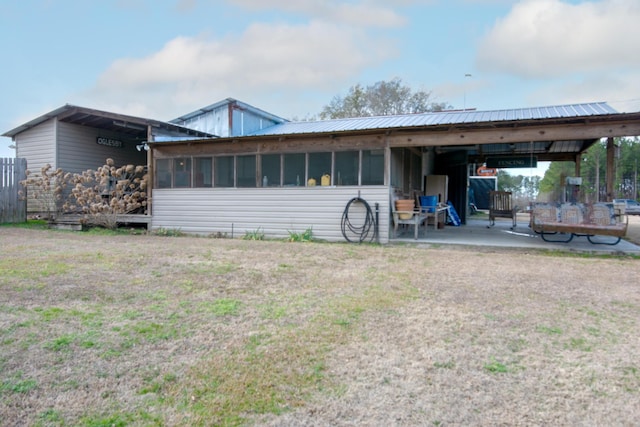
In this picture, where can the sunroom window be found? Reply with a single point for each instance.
(270, 170)
(163, 173)
(203, 172)
(319, 165)
(372, 167)
(294, 169)
(346, 168)
(223, 171)
(246, 171)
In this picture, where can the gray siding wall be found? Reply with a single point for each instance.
(38, 146)
(274, 211)
(78, 150)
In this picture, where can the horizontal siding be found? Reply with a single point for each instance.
(38, 146)
(274, 211)
(78, 150)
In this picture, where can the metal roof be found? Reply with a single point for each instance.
(439, 119)
(136, 126)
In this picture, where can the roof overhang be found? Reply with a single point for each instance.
(136, 127)
(547, 138)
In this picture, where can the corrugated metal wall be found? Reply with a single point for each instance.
(274, 211)
(245, 122)
(217, 121)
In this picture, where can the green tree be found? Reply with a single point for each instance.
(593, 172)
(508, 182)
(383, 98)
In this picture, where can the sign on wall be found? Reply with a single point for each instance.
(512, 162)
(109, 142)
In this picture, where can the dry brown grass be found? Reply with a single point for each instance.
(148, 330)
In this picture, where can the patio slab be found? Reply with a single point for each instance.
(476, 233)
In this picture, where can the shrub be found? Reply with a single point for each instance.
(99, 195)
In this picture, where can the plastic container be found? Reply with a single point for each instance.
(405, 206)
(428, 203)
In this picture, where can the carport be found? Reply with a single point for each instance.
(517, 138)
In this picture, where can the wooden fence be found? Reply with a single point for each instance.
(13, 208)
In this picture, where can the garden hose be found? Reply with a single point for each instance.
(368, 229)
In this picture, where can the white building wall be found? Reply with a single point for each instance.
(276, 212)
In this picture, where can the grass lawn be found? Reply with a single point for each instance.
(100, 329)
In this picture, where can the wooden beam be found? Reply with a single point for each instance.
(515, 134)
(611, 168)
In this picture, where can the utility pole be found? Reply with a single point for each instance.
(464, 104)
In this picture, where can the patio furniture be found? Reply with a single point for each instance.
(579, 220)
(501, 206)
(413, 217)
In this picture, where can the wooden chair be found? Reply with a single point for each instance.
(501, 206)
(414, 217)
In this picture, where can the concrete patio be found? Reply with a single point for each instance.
(476, 233)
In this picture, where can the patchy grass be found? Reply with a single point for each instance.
(117, 329)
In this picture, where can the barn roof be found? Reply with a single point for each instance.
(444, 118)
(106, 120)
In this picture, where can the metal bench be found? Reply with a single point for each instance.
(569, 220)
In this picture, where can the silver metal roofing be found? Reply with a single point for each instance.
(106, 120)
(439, 119)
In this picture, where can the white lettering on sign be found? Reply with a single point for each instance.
(109, 142)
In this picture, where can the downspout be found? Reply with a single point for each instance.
(150, 171)
(387, 182)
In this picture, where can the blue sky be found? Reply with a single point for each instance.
(163, 58)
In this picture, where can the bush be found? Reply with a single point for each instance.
(100, 195)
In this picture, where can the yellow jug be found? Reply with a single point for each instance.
(311, 182)
(326, 179)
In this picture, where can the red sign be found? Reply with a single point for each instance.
(485, 171)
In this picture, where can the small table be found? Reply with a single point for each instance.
(437, 210)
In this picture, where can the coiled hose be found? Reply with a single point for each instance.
(360, 233)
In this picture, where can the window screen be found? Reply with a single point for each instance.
(203, 172)
(346, 168)
(246, 170)
(223, 171)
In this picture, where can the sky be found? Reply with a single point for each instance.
(161, 59)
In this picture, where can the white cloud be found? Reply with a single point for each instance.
(360, 13)
(190, 72)
(545, 38)
(617, 89)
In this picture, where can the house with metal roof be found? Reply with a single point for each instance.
(294, 176)
(75, 138)
(230, 168)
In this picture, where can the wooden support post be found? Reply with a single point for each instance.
(611, 168)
